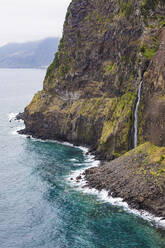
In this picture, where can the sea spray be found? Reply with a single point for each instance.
(15, 125)
(77, 180)
(80, 184)
(12, 116)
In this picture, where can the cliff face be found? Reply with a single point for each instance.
(152, 117)
(90, 89)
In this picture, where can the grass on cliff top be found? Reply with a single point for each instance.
(153, 161)
(148, 52)
(154, 152)
(36, 103)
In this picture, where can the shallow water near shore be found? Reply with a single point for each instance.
(39, 207)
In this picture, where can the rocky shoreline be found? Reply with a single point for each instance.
(137, 177)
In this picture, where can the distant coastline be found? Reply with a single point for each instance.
(24, 68)
(35, 54)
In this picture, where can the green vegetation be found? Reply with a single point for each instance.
(149, 50)
(152, 161)
(114, 113)
(36, 103)
(150, 5)
(87, 18)
(161, 20)
(162, 23)
(64, 66)
(126, 9)
(162, 158)
(61, 45)
(118, 116)
(110, 68)
(53, 65)
(56, 63)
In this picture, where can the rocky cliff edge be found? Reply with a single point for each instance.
(90, 89)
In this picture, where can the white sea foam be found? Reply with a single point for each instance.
(77, 180)
(73, 159)
(15, 131)
(19, 123)
(12, 116)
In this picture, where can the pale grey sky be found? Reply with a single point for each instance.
(24, 20)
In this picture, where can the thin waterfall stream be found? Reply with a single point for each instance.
(136, 115)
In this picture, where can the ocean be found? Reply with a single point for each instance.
(40, 207)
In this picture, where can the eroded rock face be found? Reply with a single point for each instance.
(90, 88)
(153, 98)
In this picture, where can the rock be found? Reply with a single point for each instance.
(85, 186)
(131, 178)
(78, 178)
(152, 107)
(20, 116)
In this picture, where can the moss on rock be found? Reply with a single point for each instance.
(90, 121)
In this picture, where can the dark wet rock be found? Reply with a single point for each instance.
(20, 116)
(78, 177)
(84, 186)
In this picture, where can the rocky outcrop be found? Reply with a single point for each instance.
(90, 89)
(138, 177)
(20, 116)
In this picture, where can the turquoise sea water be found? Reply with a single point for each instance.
(38, 207)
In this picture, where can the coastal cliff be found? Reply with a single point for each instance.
(90, 90)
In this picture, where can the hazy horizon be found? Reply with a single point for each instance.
(28, 41)
(24, 21)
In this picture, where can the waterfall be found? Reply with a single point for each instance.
(136, 115)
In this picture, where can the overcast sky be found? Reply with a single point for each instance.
(24, 20)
